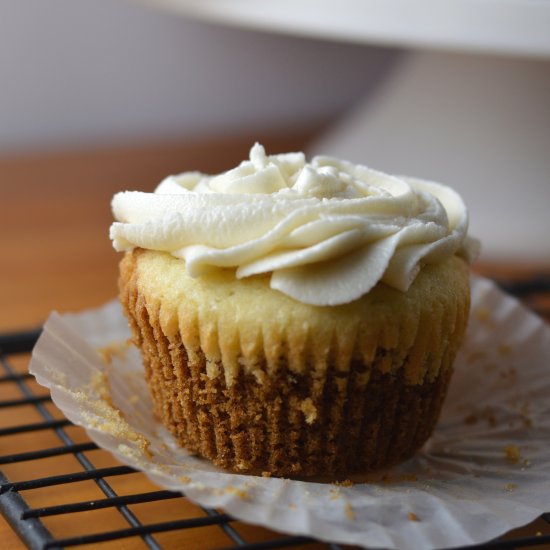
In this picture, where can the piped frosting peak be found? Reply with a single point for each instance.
(327, 231)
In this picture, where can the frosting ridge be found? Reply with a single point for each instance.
(327, 231)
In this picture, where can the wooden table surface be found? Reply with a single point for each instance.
(55, 216)
(56, 255)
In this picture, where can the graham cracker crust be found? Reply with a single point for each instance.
(287, 424)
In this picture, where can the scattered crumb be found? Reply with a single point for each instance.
(101, 414)
(526, 462)
(491, 420)
(410, 477)
(510, 486)
(524, 414)
(230, 490)
(412, 517)
(292, 506)
(512, 453)
(99, 382)
(60, 378)
(387, 479)
(157, 469)
(345, 483)
(486, 414)
(483, 315)
(130, 452)
(266, 474)
(350, 514)
(504, 349)
(114, 349)
(527, 422)
(334, 494)
(309, 410)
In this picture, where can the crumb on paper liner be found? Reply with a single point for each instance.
(485, 470)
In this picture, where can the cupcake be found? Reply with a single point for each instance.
(296, 318)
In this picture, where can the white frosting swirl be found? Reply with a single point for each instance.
(327, 231)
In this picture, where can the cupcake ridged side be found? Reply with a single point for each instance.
(312, 396)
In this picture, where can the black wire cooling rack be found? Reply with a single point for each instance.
(44, 516)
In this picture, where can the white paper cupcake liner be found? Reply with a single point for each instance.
(485, 470)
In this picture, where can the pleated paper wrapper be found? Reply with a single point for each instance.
(485, 470)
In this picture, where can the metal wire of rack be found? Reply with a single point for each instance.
(30, 520)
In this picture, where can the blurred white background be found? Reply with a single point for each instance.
(76, 74)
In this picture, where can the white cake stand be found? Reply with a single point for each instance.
(469, 103)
